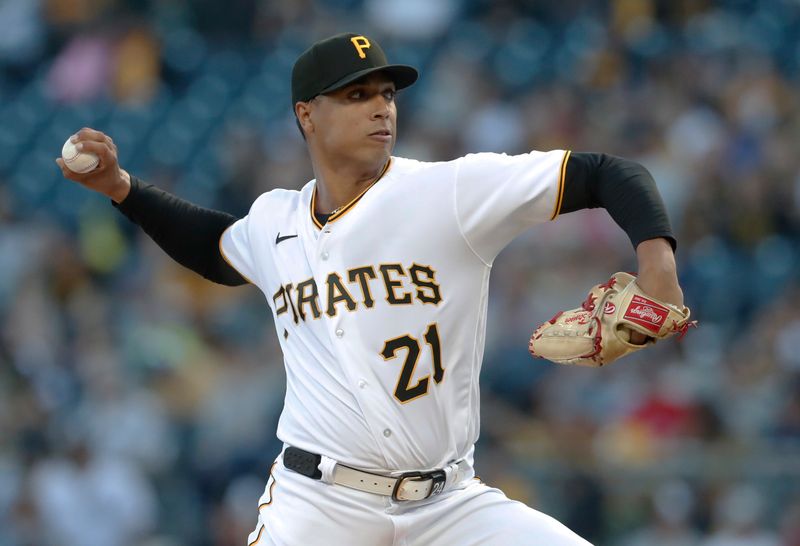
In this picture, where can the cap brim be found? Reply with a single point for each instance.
(402, 75)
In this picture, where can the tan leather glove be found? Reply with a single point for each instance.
(598, 332)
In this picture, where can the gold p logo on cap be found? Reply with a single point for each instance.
(360, 43)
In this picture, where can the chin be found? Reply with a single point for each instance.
(376, 153)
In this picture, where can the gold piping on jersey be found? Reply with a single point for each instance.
(258, 538)
(561, 180)
(339, 212)
(224, 257)
(271, 487)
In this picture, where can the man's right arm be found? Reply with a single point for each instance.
(187, 233)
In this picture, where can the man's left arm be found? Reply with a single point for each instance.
(628, 192)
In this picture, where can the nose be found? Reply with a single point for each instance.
(381, 109)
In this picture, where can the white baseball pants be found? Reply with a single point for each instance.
(298, 511)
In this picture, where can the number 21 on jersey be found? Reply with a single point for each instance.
(404, 392)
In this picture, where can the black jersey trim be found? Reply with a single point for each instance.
(561, 180)
(341, 211)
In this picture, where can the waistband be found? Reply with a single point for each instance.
(409, 486)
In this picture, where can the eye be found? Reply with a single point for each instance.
(390, 94)
(356, 94)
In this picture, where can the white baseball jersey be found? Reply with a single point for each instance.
(381, 312)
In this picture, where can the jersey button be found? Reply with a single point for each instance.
(362, 384)
(325, 256)
(387, 432)
(339, 332)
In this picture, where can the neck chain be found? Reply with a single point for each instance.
(380, 175)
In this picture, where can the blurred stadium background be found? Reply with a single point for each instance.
(138, 403)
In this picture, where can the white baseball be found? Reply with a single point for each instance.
(78, 162)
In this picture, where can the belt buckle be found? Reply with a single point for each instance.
(437, 477)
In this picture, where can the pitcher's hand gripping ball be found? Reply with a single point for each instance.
(598, 332)
(77, 161)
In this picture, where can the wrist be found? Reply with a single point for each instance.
(122, 189)
(658, 275)
(656, 255)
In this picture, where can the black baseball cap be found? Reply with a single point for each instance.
(340, 60)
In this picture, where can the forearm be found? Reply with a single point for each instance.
(187, 233)
(658, 273)
(629, 194)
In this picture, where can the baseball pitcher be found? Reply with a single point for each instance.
(377, 275)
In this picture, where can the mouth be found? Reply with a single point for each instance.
(381, 134)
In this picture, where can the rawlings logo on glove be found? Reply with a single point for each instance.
(599, 331)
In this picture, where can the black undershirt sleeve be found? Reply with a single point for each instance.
(187, 233)
(621, 186)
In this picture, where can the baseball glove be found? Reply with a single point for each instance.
(598, 332)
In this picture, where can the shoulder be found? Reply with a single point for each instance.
(280, 200)
(403, 166)
(478, 162)
(501, 166)
(502, 157)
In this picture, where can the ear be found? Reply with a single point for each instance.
(303, 112)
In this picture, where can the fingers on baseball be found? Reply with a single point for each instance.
(105, 151)
(111, 144)
(69, 174)
(88, 134)
(66, 173)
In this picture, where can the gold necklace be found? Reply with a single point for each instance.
(380, 175)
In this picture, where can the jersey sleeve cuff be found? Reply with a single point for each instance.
(228, 260)
(562, 175)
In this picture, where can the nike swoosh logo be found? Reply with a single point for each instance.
(279, 239)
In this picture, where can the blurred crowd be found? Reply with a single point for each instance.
(138, 403)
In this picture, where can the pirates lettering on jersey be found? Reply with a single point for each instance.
(337, 292)
(307, 294)
(388, 271)
(361, 274)
(423, 278)
(401, 286)
(283, 294)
